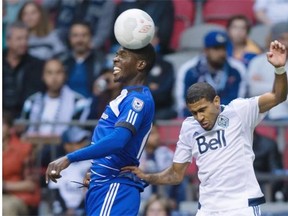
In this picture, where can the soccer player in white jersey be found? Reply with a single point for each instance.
(220, 139)
(118, 139)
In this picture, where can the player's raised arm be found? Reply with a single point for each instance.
(277, 57)
(172, 175)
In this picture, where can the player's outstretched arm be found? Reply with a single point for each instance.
(172, 175)
(277, 56)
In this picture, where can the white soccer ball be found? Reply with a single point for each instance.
(134, 29)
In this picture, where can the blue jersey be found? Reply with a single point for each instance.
(132, 109)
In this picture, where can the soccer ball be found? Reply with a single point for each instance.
(134, 29)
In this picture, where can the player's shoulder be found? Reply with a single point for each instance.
(240, 103)
(137, 98)
(142, 93)
(189, 123)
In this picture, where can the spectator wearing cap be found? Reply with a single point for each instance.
(225, 74)
(260, 80)
(67, 192)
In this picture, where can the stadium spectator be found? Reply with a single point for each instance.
(68, 191)
(9, 15)
(157, 206)
(161, 83)
(21, 192)
(98, 13)
(240, 46)
(269, 12)
(260, 80)
(21, 71)
(162, 13)
(82, 64)
(54, 108)
(58, 103)
(226, 75)
(268, 160)
(43, 42)
(11, 9)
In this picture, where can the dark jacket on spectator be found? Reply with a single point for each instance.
(20, 82)
(94, 63)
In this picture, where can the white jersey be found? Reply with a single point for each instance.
(224, 156)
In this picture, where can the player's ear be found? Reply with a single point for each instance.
(141, 64)
(216, 101)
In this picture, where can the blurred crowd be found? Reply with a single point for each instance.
(58, 65)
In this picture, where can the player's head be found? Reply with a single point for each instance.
(54, 75)
(203, 103)
(133, 66)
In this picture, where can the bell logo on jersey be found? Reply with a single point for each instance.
(213, 144)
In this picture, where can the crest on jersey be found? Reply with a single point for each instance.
(223, 121)
(137, 104)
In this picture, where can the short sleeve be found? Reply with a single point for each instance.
(248, 110)
(183, 151)
(132, 112)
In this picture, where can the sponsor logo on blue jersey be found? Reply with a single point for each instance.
(217, 142)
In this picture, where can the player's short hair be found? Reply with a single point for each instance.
(147, 54)
(199, 91)
(15, 25)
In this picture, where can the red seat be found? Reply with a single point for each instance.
(219, 11)
(267, 131)
(184, 17)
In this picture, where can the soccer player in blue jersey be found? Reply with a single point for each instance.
(118, 140)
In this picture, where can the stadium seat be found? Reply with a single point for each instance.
(192, 38)
(267, 131)
(178, 58)
(219, 11)
(184, 17)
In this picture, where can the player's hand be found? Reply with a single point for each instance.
(55, 167)
(277, 54)
(86, 180)
(137, 171)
